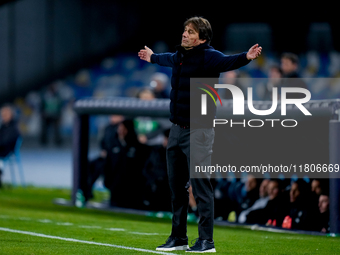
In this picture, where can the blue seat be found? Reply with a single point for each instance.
(12, 159)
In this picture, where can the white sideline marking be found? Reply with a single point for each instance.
(79, 226)
(64, 223)
(115, 229)
(274, 230)
(145, 234)
(84, 226)
(24, 218)
(44, 221)
(82, 241)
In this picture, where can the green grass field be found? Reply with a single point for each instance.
(31, 210)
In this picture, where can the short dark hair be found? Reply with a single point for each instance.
(202, 26)
(291, 56)
(279, 183)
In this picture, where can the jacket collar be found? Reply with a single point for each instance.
(10, 123)
(202, 46)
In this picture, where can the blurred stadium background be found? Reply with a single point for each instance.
(89, 49)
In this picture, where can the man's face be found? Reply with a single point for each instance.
(273, 190)
(115, 119)
(323, 203)
(190, 38)
(316, 187)
(122, 131)
(146, 95)
(294, 192)
(274, 73)
(263, 188)
(6, 115)
(251, 183)
(288, 66)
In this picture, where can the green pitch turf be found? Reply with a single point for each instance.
(31, 211)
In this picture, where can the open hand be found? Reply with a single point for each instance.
(254, 52)
(145, 54)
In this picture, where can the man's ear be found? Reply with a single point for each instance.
(202, 41)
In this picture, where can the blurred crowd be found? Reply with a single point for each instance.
(290, 204)
(132, 151)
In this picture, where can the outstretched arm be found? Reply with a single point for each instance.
(222, 63)
(163, 59)
(145, 54)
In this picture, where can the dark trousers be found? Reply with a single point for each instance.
(186, 149)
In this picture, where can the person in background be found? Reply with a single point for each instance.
(149, 130)
(123, 175)
(302, 210)
(323, 219)
(243, 195)
(274, 80)
(291, 78)
(259, 203)
(157, 192)
(9, 133)
(276, 208)
(231, 77)
(51, 104)
(98, 165)
(159, 83)
(319, 186)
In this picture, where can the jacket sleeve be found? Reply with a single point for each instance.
(222, 63)
(163, 59)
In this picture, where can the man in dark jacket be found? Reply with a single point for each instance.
(291, 78)
(9, 133)
(194, 58)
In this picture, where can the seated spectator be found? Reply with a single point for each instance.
(231, 77)
(302, 211)
(259, 203)
(98, 165)
(159, 83)
(252, 191)
(157, 192)
(243, 195)
(150, 130)
(123, 174)
(316, 187)
(319, 186)
(274, 81)
(222, 202)
(9, 133)
(291, 78)
(121, 163)
(276, 208)
(320, 191)
(323, 219)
